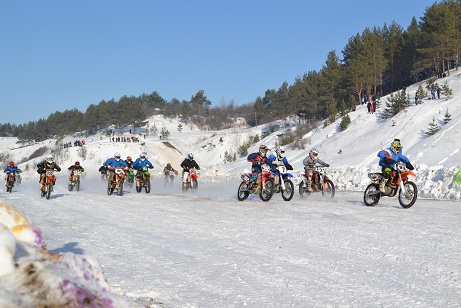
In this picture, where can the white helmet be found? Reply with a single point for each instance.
(313, 153)
(117, 156)
(142, 155)
(280, 150)
(49, 158)
(190, 156)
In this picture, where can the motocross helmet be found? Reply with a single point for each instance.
(117, 156)
(142, 155)
(168, 165)
(396, 146)
(280, 150)
(128, 158)
(262, 150)
(313, 153)
(190, 156)
(11, 164)
(49, 159)
(77, 163)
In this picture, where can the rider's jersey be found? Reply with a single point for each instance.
(10, 169)
(112, 162)
(142, 163)
(390, 154)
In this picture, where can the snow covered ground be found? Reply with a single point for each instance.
(206, 249)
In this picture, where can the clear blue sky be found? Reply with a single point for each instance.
(58, 55)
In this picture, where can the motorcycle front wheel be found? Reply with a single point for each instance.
(328, 188)
(120, 188)
(267, 191)
(372, 195)
(48, 191)
(147, 186)
(289, 191)
(194, 185)
(242, 192)
(408, 198)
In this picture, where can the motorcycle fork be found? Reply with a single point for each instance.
(401, 184)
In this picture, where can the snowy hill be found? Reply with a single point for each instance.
(175, 249)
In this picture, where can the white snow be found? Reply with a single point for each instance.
(206, 249)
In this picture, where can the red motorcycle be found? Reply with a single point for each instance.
(249, 186)
(192, 180)
(408, 192)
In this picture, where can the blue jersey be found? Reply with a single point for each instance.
(142, 163)
(10, 169)
(112, 162)
(272, 158)
(390, 154)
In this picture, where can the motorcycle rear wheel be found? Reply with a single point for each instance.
(372, 195)
(411, 194)
(328, 189)
(242, 192)
(289, 191)
(110, 188)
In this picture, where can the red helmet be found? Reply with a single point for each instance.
(77, 163)
(128, 158)
(11, 164)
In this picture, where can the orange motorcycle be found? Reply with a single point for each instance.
(50, 180)
(408, 192)
(117, 184)
(10, 179)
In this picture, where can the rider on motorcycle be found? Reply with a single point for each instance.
(279, 159)
(129, 162)
(257, 160)
(309, 165)
(114, 162)
(187, 164)
(168, 168)
(11, 168)
(74, 167)
(141, 162)
(47, 165)
(387, 160)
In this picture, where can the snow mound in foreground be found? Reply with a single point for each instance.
(31, 276)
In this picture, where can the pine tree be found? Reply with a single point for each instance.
(446, 90)
(433, 128)
(345, 121)
(447, 117)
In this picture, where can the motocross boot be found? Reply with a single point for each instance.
(382, 185)
(309, 185)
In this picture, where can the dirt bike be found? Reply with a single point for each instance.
(192, 181)
(50, 180)
(249, 186)
(169, 177)
(285, 184)
(408, 192)
(10, 179)
(75, 181)
(143, 180)
(320, 183)
(117, 184)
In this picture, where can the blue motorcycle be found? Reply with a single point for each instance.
(283, 182)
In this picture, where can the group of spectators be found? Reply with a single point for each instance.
(125, 139)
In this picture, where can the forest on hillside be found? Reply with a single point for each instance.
(377, 61)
